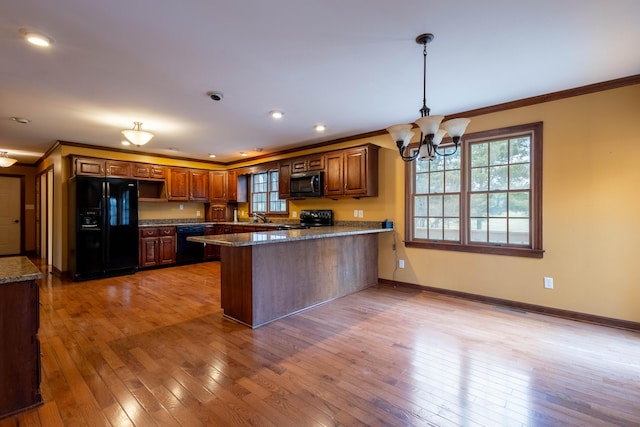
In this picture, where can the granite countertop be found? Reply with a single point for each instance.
(18, 269)
(280, 236)
(241, 223)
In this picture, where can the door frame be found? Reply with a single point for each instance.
(44, 214)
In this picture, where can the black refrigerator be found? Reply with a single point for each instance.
(104, 227)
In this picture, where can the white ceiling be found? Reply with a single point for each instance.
(350, 64)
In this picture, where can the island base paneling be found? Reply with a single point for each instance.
(262, 283)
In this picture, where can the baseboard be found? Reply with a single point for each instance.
(572, 315)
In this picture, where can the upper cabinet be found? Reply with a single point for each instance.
(284, 175)
(117, 169)
(308, 163)
(147, 171)
(87, 166)
(232, 186)
(218, 186)
(188, 184)
(352, 172)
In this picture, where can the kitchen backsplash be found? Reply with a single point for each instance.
(170, 210)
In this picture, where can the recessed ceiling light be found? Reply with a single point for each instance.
(276, 114)
(126, 143)
(213, 156)
(320, 128)
(243, 154)
(21, 120)
(37, 39)
(172, 149)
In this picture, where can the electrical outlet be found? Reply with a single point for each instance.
(181, 206)
(197, 213)
(401, 263)
(360, 213)
(294, 214)
(548, 282)
(355, 213)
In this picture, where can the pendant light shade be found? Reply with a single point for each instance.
(5, 160)
(137, 136)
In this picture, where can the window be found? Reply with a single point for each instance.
(485, 198)
(264, 194)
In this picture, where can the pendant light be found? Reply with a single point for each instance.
(137, 136)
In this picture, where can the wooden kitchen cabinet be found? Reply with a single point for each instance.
(147, 171)
(218, 186)
(188, 184)
(157, 246)
(117, 169)
(212, 252)
(307, 163)
(232, 186)
(88, 166)
(352, 172)
(216, 213)
(198, 185)
(284, 180)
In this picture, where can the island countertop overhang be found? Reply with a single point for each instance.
(282, 236)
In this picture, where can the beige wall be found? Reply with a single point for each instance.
(591, 153)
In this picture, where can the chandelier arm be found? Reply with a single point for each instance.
(408, 158)
(446, 154)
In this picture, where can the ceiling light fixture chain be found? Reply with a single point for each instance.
(430, 133)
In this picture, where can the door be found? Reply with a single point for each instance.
(121, 224)
(10, 203)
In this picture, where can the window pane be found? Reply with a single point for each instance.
(435, 228)
(422, 183)
(436, 184)
(479, 155)
(519, 177)
(519, 231)
(498, 179)
(478, 205)
(451, 229)
(479, 179)
(520, 150)
(437, 164)
(435, 206)
(519, 204)
(420, 206)
(498, 204)
(453, 161)
(452, 206)
(420, 228)
(499, 153)
(452, 181)
(478, 230)
(497, 230)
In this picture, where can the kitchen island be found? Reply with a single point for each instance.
(268, 275)
(19, 344)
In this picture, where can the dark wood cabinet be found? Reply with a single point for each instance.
(147, 171)
(188, 184)
(307, 163)
(216, 213)
(116, 169)
(199, 185)
(20, 346)
(352, 172)
(218, 186)
(157, 246)
(284, 175)
(178, 184)
(88, 166)
(232, 186)
(212, 252)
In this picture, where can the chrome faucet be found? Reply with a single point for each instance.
(263, 217)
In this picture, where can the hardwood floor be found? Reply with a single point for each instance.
(154, 349)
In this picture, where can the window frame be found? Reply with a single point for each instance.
(534, 249)
(268, 171)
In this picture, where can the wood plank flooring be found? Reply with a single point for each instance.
(154, 349)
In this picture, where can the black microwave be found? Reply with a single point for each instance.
(306, 184)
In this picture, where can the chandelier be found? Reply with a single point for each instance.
(5, 160)
(431, 133)
(137, 136)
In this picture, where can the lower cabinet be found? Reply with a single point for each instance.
(212, 252)
(157, 246)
